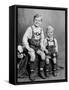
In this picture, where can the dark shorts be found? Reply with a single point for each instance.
(36, 48)
(52, 53)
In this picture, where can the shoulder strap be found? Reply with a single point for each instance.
(47, 42)
(54, 41)
(32, 31)
(41, 29)
(32, 28)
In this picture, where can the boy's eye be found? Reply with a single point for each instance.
(38, 20)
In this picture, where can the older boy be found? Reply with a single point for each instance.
(33, 42)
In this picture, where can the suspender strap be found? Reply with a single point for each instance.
(49, 40)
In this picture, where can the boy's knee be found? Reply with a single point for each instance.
(54, 55)
(54, 60)
(32, 56)
(47, 60)
(43, 56)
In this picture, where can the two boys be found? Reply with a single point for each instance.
(34, 42)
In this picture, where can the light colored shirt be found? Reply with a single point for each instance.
(51, 43)
(28, 35)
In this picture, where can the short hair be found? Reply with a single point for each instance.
(37, 16)
(49, 28)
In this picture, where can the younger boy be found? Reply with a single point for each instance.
(51, 50)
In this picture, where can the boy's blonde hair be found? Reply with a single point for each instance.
(49, 28)
(37, 16)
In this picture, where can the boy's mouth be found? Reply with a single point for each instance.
(36, 25)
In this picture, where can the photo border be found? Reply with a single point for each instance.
(16, 40)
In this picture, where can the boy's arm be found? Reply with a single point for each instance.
(27, 36)
(56, 45)
(45, 44)
(42, 41)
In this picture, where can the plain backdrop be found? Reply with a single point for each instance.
(4, 44)
(55, 18)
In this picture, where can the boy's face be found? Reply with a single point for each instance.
(37, 21)
(50, 33)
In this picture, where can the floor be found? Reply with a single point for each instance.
(60, 75)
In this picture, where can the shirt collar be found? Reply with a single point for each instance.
(50, 39)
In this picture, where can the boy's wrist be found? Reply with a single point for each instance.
(46, 51)
(30, 49)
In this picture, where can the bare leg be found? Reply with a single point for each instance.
(32, 65)
(47, 66)
(42, 63)
(54, 65)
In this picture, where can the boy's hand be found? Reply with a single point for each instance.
(46, 51)
(31, 49)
